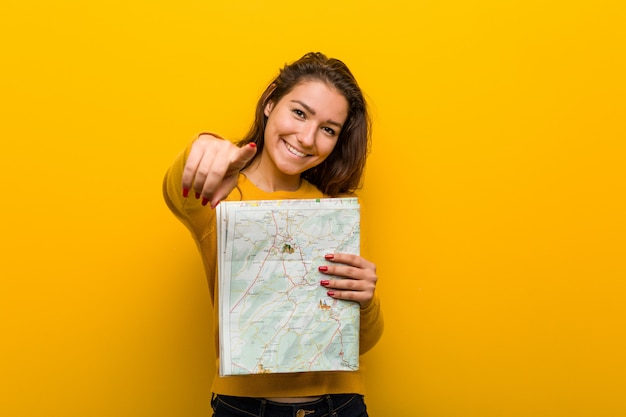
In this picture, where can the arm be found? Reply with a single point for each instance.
(204, 160)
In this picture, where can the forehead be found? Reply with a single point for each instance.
(320, 97)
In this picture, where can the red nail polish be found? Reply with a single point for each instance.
(323, 268)
(185, 192)
(197, 196)
(205, 201)
(331, 293)
(329, 256)
(324, 282)
(252, 144)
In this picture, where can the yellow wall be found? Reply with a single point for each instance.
(495, 197)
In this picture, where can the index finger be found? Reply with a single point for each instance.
(349, 259)
(243, 156)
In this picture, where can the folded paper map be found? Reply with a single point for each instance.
(274, 314)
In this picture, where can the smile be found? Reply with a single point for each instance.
(294, 151)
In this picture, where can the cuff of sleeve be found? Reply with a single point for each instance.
(371, 306)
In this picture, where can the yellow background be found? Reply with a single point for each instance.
(494, 198)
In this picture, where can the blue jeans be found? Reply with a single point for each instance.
(335, 405)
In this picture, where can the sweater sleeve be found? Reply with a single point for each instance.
(372, 325)
(198, 219)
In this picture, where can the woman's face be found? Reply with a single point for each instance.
(303, 127)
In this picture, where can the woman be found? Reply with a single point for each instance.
(310, 139)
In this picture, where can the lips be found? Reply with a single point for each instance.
(294, 151)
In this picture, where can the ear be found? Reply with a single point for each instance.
(269, 104)
(268, 108)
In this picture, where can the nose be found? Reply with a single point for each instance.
(306, 136)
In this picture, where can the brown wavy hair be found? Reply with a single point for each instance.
(342, 171)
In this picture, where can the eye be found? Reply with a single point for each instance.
(298, 113)
(329, 130)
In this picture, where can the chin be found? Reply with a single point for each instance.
(292, 173)
(289, 169)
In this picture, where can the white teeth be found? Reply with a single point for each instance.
(294, 151)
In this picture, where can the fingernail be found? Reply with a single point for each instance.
(197, 196)
(324, 282)
(252, 145)
(185, 192)
(323, 268)
(205, 201)
(216, 204)
(331, 293)
(329, 256)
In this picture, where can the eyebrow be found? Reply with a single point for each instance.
(310, 110)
